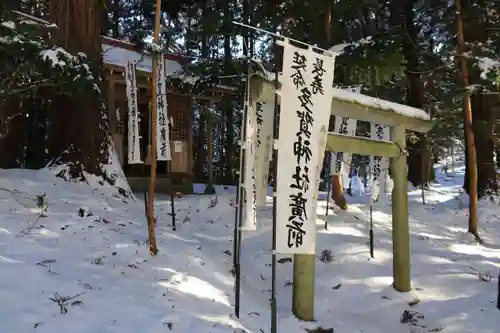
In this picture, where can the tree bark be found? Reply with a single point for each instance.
(482, 115)
(200, 149)
(497, 136)
(78, 130)
(419, 159)
(11, 115)
(116, 18)
(336, 181)
(209, 189)
(475, 31)
(222, 151)
(228, 56)
(469, 133)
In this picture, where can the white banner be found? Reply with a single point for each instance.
(342, 160)
(249, 188)
(306, 96)
(264, 115)
(162, 134)
(134, 149)
(379, 165)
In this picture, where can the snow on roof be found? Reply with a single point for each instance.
(377, 103)
(339, 48)
(119, 56)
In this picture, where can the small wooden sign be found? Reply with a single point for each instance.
(178, 146)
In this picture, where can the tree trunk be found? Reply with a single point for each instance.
(222, 153)
(200, 162)
(336, 181)
(78, 132)
(12, 128)
(246, 32)
(482, 115)
(12, 134)
(251, 19)
(209, 189)
(497, 137)
(200, 149)
(419, 159)
(469, 133)
(35, 131)
(228, 105)
(475, 32)
(115, 24)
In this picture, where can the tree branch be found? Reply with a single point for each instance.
(6, 124)
(31, 85)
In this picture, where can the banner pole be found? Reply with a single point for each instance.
(328, 187)
(372, 250)
(238, 223)
(274, 308)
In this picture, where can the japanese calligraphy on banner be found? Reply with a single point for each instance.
(379, 165)
(162, 134)
(264, 117)
(134, 150)
(249, 186)
(341, 161)
(306, 95)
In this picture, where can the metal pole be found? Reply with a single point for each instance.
(372, 254)
(236, 212)
(274, 309)
(498, 293)
(146, 204)
(238, 241)
(173, 210)
(153, 250)
(238, 222)
(328, 187)
(169, 165)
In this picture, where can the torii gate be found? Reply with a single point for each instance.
(361, 107)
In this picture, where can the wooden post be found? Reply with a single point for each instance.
(303, 286)
(153, 250)
(400, 220)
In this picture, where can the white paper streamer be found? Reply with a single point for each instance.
(162, 134)
(249, 192)
(264, 115)
(134, 149)
(342, 160)
(379, 165)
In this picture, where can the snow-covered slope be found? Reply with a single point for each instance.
(85, 268)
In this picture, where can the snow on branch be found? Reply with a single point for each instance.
(31, 61)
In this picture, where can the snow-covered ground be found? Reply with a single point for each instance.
(85, 268)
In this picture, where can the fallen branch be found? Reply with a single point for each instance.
(30, 227)
(63, 301)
